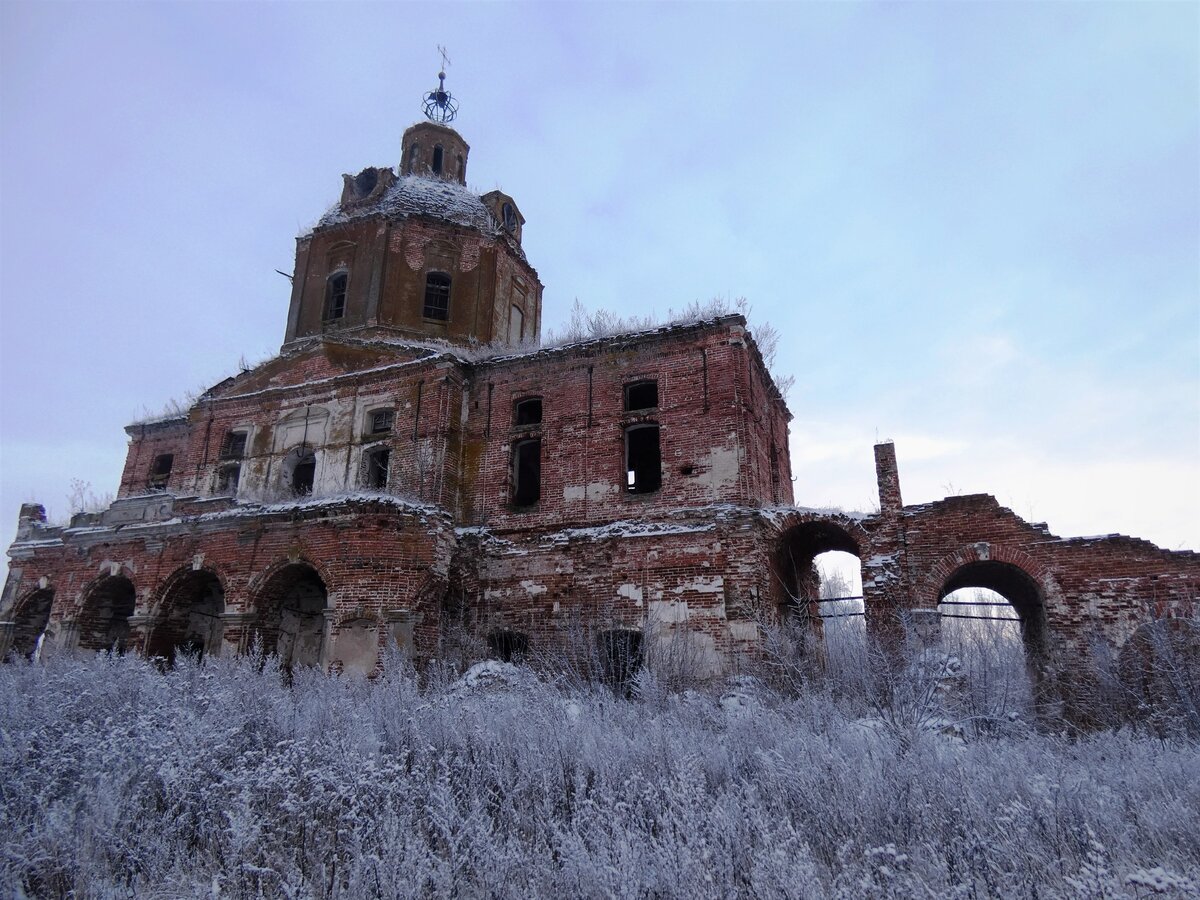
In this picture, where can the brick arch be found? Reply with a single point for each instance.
(801, 537)
(982, 551)
(257, 582)
(175, 624)
(288, 611)
(1014, 574)
(31, 617)
(106, 604)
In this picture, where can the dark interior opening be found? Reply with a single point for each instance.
(377, 468)
(335, 299)
(304, 473)
(30, 622)
(529, 412)
(160, 471)
(104, 620)
(527, 472)
(508, 646)
(290, 615)
(437, 160)
(365, 181)
(620, 657)
(643, 459)
(191, 620)
(437, 296)
(642, 395)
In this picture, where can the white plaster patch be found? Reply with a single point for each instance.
(532, 588)
(598, 490)
(722, 466)
(632, 591)
(743, 631)
(574, 492)
(668, 612)
(702, 585)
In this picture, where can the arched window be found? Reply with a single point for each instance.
(510, 217)
(437, 159)
(516, 325)
(335, 296)
(437, 296)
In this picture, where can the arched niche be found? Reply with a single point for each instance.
(189, 618)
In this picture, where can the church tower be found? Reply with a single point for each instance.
(413, 253)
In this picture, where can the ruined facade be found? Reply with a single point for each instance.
(413, 461)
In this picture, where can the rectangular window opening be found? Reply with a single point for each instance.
(378, 462)
(160, 471)
(527, 472)
(643, 459)
(437, 296)
(335, 296)
(620, 657)
(234, 445)
(381, 421)
(641, 395)
(228, 479)
(529, 412)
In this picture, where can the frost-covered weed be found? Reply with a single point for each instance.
(221, 779)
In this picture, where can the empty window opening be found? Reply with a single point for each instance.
(529, 412)
(510, 217)
(190, 621)
(508, 646)
(289, 616)
(300, 471)
(774, 474)
(228, 478)
(838, 576)
(381, 421)
(620, 657)
(438, 154)
(365, 181)
(413, 152)
(160, 471)
(462, 167)
(437, 296)
(378, 461)
(527, 472)
(29, 624)
(516, 325)
(643, 459)
(104, 620)
(234, 445)
(641, 395)
(335, 296)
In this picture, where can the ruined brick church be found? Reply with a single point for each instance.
(413, 462)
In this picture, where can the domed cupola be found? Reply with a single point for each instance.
(433, 147)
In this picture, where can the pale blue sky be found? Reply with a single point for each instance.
(977, 225)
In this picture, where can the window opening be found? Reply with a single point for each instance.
(516, 325)
(620, 657)
(641, 395)
(774, 474)
(510, 217)
(529, 412)
(643, 459)
(365, 181)
(227, 480)
(508, 646)
(304, 472)
(160, 472)
(234, 445)
(378, 461)
(437, 296)
(437, 159)
(335, 296)
(527, 472)
(382, 421)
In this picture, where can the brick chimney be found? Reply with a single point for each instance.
(888, 477)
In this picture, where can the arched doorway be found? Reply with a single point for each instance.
(190, 617)
(104, 621)
(289, 616)
(992, 622)
(30, 619)
(817, 575)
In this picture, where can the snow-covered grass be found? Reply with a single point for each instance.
(224, 780)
